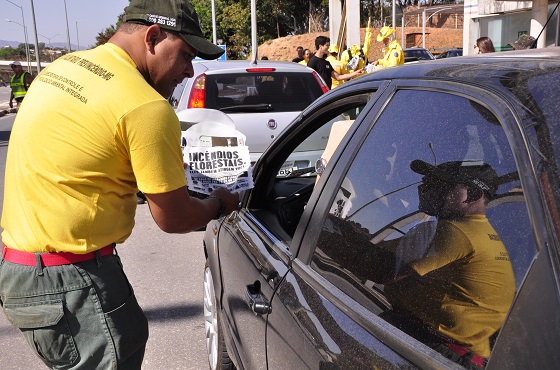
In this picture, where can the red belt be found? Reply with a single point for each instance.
(462, 351)
(51, 259)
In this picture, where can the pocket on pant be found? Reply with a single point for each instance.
(128, 327)
(46, 330)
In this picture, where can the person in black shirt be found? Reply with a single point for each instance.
(323, 67)
(299, 57)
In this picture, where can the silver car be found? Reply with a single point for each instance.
(261, 99)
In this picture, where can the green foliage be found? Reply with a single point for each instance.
(275, 18)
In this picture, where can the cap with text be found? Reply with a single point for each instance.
(477, 174)
(173, 15)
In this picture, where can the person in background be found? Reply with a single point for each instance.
(392, 51)
(19, 84)
(323, 67)
(264, 58)
(337, 65)
(299, 57)
(306, 56)
(359, 54)
(524, 41)
(484, 45)
(96, 128)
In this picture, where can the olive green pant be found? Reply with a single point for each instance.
(79, 316)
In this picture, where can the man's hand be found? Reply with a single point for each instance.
(359, 72)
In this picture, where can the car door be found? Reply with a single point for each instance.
(368, 194)
(255, 243)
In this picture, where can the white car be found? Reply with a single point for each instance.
(261, 99)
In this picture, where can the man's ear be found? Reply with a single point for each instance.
(151, 37)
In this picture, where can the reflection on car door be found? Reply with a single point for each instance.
(250, 272)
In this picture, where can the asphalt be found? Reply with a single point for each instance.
(5, 108)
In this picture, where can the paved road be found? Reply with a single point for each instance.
(166, 272)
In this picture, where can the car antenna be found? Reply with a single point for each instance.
(433, 152)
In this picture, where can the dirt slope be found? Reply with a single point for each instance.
(284, 48)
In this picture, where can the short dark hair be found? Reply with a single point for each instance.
(321, 40)
(299, 47)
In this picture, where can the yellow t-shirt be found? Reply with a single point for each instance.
(465, 285)
(92, 132)
(338, 67)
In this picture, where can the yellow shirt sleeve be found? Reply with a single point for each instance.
(155, 153)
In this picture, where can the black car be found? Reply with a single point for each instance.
(417, 54)
(287, 281)
(450, 53)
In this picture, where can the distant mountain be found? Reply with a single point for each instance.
(15, 44)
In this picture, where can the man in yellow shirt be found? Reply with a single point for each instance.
(392, 51)
(464, 278)
(450, 285)
(337, 65)
(95, 129)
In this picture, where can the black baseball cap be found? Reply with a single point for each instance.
(477, 174)
(173, 15)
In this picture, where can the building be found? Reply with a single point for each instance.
(505, 20)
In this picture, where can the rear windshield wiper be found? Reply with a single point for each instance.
(248, 108)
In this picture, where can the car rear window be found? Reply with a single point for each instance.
(242, 92)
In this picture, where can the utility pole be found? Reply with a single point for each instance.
(36, 38)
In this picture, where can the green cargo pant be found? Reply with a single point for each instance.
(80, 316)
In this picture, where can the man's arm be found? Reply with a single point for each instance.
(11, 99)
(28, 79)
(346, 76)
(177, 212)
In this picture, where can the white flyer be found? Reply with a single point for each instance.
(215, 152)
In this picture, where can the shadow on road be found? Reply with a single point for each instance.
(177, 312)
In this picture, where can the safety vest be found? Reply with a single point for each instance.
(18, 85)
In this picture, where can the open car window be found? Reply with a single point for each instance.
(292, 176)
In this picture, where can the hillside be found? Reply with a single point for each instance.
(284, 48)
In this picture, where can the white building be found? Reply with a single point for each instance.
(504, 21)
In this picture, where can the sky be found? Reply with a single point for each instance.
(50, 19)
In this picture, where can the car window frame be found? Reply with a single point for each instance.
(267, 166)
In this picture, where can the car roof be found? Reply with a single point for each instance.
(415, 48)
(479, 68)
(233, 66)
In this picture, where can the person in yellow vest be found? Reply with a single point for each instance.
(306, 56)
(337, 65)
(19, 83)
(356, 57)
(393, 54)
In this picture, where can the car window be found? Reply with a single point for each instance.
(441, 280)
(292, 171)
(284, 92)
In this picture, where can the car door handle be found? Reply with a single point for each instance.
(256, 301)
